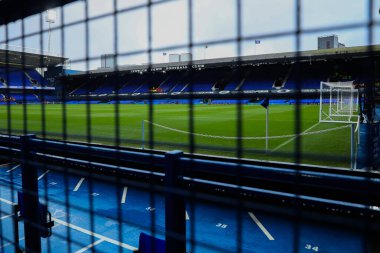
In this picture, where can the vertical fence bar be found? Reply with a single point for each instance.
(267, 130)
(30, 198)
(175, 219)
(352, 142)
(143, 134)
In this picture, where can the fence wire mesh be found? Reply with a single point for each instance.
(96, 96)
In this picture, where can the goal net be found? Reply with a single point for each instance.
(339, 102)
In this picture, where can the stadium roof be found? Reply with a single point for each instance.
(12, 10)
(28, 60)
(287, 57)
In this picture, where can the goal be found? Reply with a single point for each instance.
(339, 102)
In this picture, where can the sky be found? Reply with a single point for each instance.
(272, 22)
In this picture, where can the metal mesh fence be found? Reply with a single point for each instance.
(96, 95)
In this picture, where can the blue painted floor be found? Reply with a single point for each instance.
(115, 226)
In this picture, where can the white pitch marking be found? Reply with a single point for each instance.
(6, 216)
(85, 231)
(78, 184)
(7, 202)
(15, 167)
(261, 226)
(187, 215)
(40, 177)
(124, 195)
(293, 138)
(89, 246)
(11, 243)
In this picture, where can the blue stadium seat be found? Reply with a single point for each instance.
(132, 85)
(178, 87)
(198, 86)
(258, 81)
(48, 98)
(84, 89)
(232, 85)
(14, 77)
(167, 85)
(228, 101)
(311, 80)
(37, 77)
(149, 244)
(29, 98)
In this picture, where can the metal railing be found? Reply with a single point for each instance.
(82, 182)
(328, 192)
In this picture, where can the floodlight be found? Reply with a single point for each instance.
(51, 16)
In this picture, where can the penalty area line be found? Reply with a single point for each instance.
(293, 138)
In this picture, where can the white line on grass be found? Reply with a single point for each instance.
(89, 246)
(293, 138)
(78, 184)
(258, 223)
(85, 231)
(40, 177)
(124, 195)
(15, 167)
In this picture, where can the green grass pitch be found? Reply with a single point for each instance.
(328, 148)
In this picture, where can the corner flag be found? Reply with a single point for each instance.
(265, 103)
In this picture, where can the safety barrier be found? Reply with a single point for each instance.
(351, 195)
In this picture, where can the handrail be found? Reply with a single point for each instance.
(356, 187)
(13, 140)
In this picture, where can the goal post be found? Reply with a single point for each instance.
(339, 102)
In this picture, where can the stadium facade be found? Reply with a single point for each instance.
(279, 75)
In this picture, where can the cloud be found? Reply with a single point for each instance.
(268, 16)
(212, 20)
